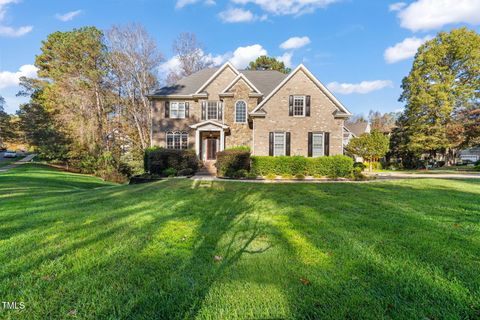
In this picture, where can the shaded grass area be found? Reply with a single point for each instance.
(6, 161)
(73, 246)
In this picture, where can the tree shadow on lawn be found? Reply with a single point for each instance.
(331, 251)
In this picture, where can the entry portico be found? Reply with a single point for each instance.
(209, 138)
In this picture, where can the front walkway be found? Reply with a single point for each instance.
(17, 163)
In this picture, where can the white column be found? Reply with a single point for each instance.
(197, 142)
(222, 140)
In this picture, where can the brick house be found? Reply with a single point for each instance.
(271, 112)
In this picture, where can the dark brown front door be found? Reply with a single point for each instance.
(211, 149)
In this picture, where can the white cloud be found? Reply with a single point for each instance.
(404, 50)
(182, 3)
(10, 31)
(362, 87)
(10, 79)
(434, 14)
(236, 15)
(286, 58)
(173, 64)
(397, 6)
(68, 16)
(295, 43)
(243, 55)
(288, 7)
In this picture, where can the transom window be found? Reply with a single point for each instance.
(299, 106)
(177, 110)
(318, 149)
(279, 144)
(212, 110)
(241, 112)
(177, 140)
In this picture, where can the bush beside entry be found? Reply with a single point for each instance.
(233, 163)
(160, 160)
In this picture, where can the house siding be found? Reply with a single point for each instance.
(277, 118)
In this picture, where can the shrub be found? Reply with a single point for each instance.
(360, 165)
(251, 175)
(157, 160)
(358, 175)
(271, 176)
(332, 166)
(229, 162)
(242, 173)
(287, 176)
(299, 176)
(170, 172)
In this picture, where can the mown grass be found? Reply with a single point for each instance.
(73, 246)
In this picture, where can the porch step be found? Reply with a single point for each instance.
(208, 169)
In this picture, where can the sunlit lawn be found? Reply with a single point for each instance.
(75, 247)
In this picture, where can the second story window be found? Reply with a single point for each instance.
(177, 110)
(240, 112)
(212, 110)
(299, 106)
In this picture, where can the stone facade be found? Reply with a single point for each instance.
(240, 133)
(255, 133)
(277, 118)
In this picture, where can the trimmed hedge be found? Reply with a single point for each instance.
(233, 163)
(331, 166)
(158, 160)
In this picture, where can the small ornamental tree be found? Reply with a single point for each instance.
(369, 146)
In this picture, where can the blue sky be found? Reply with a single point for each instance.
(360, 49)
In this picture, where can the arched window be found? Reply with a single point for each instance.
(177, 140)
(241, 111)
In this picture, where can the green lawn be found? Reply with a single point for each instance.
(75, 247)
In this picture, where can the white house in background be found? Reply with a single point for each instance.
(472, 154)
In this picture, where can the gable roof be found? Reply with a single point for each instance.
(358, 128)
(241, 76)
(301, 67)
(225, 66)
(264, 81)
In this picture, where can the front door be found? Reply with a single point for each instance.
(211, 149)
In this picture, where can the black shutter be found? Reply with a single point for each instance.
(187, 109)
(220, 110)
(327, 143)
(204, 107)
(290, 106)
(287, 143)
(307, 106)
(310, 144)
(167, 109)
(270, 144)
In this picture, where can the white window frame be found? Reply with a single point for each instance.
(175, 134)
(246, 108)
(304, 99)
(323, 144)
(284, 143)
(175, 106)
(216, 112)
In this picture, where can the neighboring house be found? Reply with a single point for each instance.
(352, 130)
(272, 113)
(472, 155)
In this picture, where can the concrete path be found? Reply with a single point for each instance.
(17, 163)
(404, 175)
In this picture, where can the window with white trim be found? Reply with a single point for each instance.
(318, 144)
(241, 111)
(177, 110)
(212, 110)
(177, 140)
(279, 144)
(299, 103)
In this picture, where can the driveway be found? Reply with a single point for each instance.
(19, 161)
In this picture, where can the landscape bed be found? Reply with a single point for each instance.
(73, 246)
